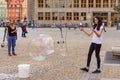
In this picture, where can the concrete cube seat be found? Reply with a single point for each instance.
(116, 50)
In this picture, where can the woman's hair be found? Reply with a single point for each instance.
(99, 23)
(11, 24)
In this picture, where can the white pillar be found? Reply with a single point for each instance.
(101, 3)
(109, 18)
(35, 13)
(109, 3)
(94, 3)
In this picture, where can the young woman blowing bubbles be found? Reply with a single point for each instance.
(96, 43)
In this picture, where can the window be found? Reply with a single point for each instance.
(105, 3)
(40, 3)
(98, 3)
(9, 5)
(18, 5)
(17, 10)
(90, 3)
(54, 15)
(83, 3)
(13, 5)
(76, 15)
(112, 3)
(83, 16)
(47, 15)
(62, 16)
(40, 15)
(69, 15)
(76, 3)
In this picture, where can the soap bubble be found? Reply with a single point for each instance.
(41, 47)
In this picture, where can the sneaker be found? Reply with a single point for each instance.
(84, 69)
(96, 71)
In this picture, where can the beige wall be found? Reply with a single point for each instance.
(33, 10)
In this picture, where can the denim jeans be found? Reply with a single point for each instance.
(11, 44)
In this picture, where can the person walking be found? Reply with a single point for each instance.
(96, 43)
(24, 30)
(11, 35)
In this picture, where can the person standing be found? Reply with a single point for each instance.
(96, 43)
(11, 35)
(24, 30)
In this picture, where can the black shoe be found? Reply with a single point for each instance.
(96, 71)
(14, 54)
(9, 54)
(84, 69)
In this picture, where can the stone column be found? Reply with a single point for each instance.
(79, 3)
(117, 1)
(94, 3)
(109, 3)
(43, 17)
(86, 3)
(58, 12)
(35, 13)
(72, 11)
(109, 18)
(101, 3)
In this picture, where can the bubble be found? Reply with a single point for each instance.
(41, 46)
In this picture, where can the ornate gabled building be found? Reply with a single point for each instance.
(16, 9)
(75, 11)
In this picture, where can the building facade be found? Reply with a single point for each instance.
(3, 10)
(16, 9)
(74, 11)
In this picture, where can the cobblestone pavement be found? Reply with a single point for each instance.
(57, 67)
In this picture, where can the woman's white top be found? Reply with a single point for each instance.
(95, 38)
